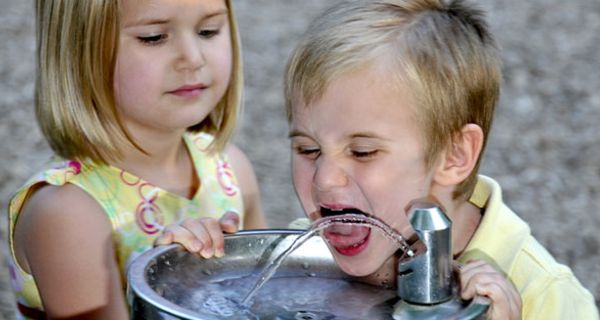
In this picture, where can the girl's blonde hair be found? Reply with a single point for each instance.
(77, 43)
(442, 52)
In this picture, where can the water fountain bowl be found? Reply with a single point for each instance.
(168, 282)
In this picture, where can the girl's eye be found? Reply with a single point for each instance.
(208, 33)
(154, 39)
(364, 154)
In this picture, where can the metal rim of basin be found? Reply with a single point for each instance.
(138, 285)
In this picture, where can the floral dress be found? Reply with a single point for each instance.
(137, 210)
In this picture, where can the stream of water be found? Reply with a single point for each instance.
(318, 225)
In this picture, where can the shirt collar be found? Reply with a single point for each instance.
(500, 234)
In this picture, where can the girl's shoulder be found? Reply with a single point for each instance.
(49, 201)
(57, 172)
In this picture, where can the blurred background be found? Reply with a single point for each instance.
(544, 148)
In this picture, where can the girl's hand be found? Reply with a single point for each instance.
(479, 278)
(201, 235)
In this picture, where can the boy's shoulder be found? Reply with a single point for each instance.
(504, 240)
(549, 289)
(535, 269)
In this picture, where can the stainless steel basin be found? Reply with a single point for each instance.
(170, 283)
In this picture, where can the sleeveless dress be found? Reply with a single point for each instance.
(137, 210)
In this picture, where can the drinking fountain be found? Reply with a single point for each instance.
(427, 283)
(168, 282)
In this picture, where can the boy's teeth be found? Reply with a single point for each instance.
(337, 211)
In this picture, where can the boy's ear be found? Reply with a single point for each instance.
(459, 159)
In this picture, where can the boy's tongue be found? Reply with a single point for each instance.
(343, 236)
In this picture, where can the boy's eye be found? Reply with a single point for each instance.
(311, 153)
(208, 33)
(154, 39)
(364, 154)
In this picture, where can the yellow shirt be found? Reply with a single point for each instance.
(137, 210)
(549, 290)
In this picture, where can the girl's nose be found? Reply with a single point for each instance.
(329, 174)
(190, 55)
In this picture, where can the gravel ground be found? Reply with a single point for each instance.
(543, 144)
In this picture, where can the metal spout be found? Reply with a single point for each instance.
(427, 278)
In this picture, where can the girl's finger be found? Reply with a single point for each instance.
(198, 230)
(214, 231)
(165, 238)
(186, 238)
(230, 222)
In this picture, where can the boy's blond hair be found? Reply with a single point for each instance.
(442, 52)
(77, 43)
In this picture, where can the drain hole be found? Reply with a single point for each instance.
(307, 315)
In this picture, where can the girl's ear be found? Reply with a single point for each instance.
(459, 159)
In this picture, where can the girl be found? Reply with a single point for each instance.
(138, 99)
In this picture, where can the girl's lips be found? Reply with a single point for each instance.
(188, 91)
(348, 240)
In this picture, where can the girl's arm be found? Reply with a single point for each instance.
(64, 239)
(253, 216)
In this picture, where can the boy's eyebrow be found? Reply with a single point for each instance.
(296, 133)
(158, 21)
(366, 134)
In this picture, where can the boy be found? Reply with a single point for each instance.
(395, 98)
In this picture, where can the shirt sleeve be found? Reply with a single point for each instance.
(561, 298)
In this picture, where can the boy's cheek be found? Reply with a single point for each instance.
(314, 215)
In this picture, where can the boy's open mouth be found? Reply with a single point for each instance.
(348, 240)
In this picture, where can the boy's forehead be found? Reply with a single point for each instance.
(368, 94)
(379, 76)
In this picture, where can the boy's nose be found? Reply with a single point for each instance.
(329, 175)
(190, 54)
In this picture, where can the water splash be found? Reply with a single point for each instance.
(410, 247)
(270, 270)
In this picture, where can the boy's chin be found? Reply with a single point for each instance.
(357, 268)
